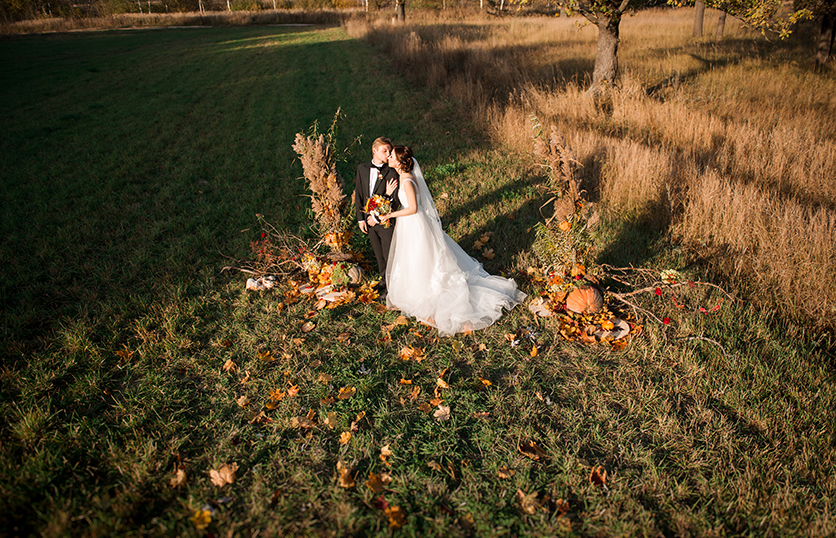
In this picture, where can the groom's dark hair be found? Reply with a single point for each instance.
(381, 141)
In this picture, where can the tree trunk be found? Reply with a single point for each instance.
(699, 16)
(228, 7)
(721, 25)
(401, 11)
(828, 32)
(606, 57)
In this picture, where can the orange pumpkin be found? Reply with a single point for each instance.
(584, 300)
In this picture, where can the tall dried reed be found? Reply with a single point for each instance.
(730, 143)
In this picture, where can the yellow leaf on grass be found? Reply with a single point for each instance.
(243, 401)
(442, 414)
(298, 341)
(531, 449)
(346, 393)
(124, 353)
(257, 417)
(598, 476)
(528, 503)
(201, 519)
(328, 400)
(478, 244)
(401, 320)
(385, 452)
(344, 475)
(324, 378)
(224, 475)
(416, 390)
(275, 397)
(397, 517)
(179, 478)
(344, 338)
(266, 356)
(308, 327)
(505, 472)
(485, 237)
(345, 437)
(377, 482)
(303, 422)
(412, 353)
(331, 420)
(406, 381)
(434, 466)
(467, 521)
(229, 366)
(488, 254)
(533, 352)
(485, 382)
(292, 391)
(441, 383)
(424, 407)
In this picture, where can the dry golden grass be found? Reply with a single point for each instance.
(153, 20)
(730, 143)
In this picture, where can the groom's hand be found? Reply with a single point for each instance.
(363, 227)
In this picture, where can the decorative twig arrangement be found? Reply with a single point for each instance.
(573, 293)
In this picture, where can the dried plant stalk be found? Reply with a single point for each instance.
(329, 199)
(562, 164)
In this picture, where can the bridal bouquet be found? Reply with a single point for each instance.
(377, 205)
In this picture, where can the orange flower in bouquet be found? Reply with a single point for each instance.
(377, 205)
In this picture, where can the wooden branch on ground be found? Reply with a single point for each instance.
(706, 339)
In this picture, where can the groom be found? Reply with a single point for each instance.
(371, 179)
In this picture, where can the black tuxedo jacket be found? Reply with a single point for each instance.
(361, 188)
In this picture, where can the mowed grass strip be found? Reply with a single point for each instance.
(131, 163)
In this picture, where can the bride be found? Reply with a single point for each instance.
(429, 276)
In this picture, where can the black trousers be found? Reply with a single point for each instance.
(381, 239)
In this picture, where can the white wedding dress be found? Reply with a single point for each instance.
(430, 277)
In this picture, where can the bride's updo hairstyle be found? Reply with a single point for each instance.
(403, 156)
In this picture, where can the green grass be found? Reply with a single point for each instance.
(133, 165)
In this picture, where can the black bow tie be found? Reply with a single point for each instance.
(378, 167)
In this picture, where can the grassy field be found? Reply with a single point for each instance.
(133, 166)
